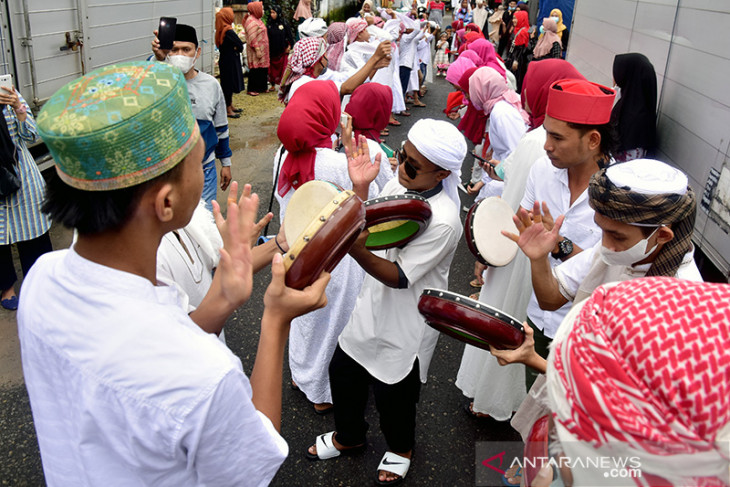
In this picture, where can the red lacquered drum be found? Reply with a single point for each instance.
(483, 232)
(395, 220)
(470, 321)
(322, 223)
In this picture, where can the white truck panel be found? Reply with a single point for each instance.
(687, 43)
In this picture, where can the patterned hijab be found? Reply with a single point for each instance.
(302, 60)
(642, 370)
(335, 37)
(308, 122)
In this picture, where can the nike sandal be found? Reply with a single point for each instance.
(393, 463)
(326, 448)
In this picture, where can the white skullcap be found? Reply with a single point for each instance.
(648, 176)
(441, 143)
(313, 27)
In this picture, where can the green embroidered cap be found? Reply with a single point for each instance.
(119, 126)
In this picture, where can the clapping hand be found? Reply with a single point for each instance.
(535, 240)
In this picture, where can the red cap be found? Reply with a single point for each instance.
(580, 101)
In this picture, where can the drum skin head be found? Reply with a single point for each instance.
(470, 321)
(395, 220)
(483, 232)
(325, 241)
(305, 205)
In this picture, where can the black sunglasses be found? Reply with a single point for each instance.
(411, 171)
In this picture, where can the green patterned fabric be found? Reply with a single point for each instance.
(119, 126)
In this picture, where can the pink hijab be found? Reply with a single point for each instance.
(487, 87)
(304, 9)
(485, 50)
(473, 57)
(457, 69)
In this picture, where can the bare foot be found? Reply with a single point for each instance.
(8, 293)
(384, 476)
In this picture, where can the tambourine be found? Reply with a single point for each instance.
(483, 232)
(395, 220)
(470, 321)
(322, 222)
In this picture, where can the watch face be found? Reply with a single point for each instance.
(566, 247)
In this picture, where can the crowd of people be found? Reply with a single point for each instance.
(125, 362)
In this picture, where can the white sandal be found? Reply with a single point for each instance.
(326, 446)
(393, 463)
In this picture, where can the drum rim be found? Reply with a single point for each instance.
(420, 214)
(394, 197)
(469, 236)
(330, 211)
(461, 299)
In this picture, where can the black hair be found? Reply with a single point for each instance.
(609, 139)
(93, 212)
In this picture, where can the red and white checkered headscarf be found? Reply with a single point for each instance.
(302, 60)
(335, 37)
(354, 27)
(643, 369)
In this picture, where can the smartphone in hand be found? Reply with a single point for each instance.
(6, 81)
(166, 32)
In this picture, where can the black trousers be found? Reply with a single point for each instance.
(28, 251)
(405, 76)
(396, 403)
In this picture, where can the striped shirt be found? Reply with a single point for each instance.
(20, 213)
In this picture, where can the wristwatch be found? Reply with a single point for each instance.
(565, 248)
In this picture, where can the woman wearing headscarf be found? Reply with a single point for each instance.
(508, 122)
(281, 41)
(557, 16)
(336, 38)
(479, 16)
(518, 61)
(305, 131)
(368, 8)
(464, 12)
(634, 115)
(457, 69)
(302, 13)
(229, 64)
(498, 391)
(257, 49)
(495, 21)
(22, 223)
(369, 109)
(473, 125)
(549, 45)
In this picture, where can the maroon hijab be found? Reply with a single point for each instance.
(369, 107)
(536, 85)
(474, 122)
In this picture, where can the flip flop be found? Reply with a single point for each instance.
(405, 114)
(11, 303)
(518, 476)
(237, 110)
(475, 284)
(474, 296)
(469, 408)
(252, 93)
(235, 115)
(323, 412)
(394, 123)
(420, 105)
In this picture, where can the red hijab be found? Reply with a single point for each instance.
(308, 122)
(474, 122)
(474, 28)
(369, 107)
(536, 85)
(485, 51)
(453, 101)
(522, 29)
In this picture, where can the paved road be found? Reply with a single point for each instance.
(446, 435)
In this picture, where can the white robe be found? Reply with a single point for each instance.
(357, 55)
(497, 390)
(313, 337)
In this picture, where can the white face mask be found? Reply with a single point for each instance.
(182, 62)
(630, 256)
(556, 19)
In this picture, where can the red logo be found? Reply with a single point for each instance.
(500, 456)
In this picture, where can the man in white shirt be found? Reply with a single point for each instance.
(646, 210)
(387, 343)
(124, 383)
(578, 142)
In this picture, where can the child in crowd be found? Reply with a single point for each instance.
(441, 59)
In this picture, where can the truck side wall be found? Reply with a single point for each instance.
(111, 30)
(687, 41)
